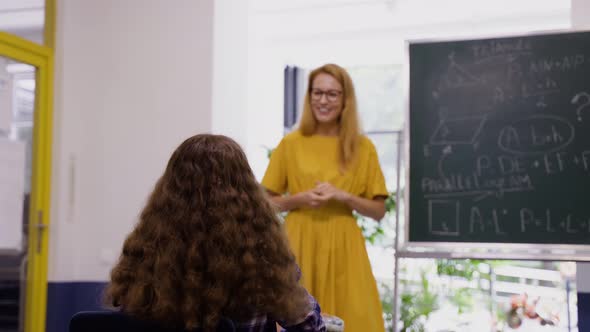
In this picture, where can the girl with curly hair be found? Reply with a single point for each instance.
(209, 245)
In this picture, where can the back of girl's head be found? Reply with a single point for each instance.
(207, 244)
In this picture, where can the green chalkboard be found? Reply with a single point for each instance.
(499, 134)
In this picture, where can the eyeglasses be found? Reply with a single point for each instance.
(331, 95)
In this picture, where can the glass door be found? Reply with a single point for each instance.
(17, 106)
(25, 140)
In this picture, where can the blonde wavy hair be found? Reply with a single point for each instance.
(349, 132)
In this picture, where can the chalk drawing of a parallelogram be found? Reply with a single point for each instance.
(464, 130)
(443, 217)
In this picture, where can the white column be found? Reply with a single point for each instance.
(580, 14)
(230, 69)
(245, 107)
(133, 79)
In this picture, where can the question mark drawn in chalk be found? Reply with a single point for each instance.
(577, 98)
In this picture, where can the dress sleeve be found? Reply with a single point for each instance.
(375, 179)
(275, 177)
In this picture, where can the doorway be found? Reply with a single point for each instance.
(25, 161)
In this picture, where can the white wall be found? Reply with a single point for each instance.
(309, 33)
(133, 79)
(581, 21)
(230, 69)
(581, 14)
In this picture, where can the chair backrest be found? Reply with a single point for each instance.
(114, 321)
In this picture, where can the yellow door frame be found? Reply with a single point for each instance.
(40, 57)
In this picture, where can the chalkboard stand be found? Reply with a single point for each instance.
(406, 249)
(541, 52)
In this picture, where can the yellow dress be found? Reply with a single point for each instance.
(328, 244)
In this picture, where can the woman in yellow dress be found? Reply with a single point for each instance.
(320, 173)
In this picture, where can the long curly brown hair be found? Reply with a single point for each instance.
(207, 244)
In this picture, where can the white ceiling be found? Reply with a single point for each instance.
(486, 7)
(311, 17)
(307, 18)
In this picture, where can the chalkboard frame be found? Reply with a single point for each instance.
(473, 250)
